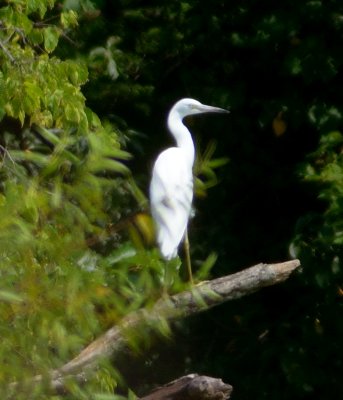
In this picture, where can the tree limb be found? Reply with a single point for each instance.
(198, 298)
(192, 387)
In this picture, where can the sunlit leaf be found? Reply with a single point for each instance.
(106, 164)
(51, 37)
(69, 19)
(10, 297)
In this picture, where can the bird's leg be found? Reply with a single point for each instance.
(188, 257)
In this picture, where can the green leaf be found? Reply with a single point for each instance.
(103, 396)
(6, 14)
(106, 164)
(36, 36)
(331, 139)
(206, 267)
(10, 297)
(21, 21)
(37, 158)
(37, 5)
(218, 162)
(72, 113)
(44, 118)
(93, 119)
(51, 36)
(32, 95)
(69, 19)
(48, 135)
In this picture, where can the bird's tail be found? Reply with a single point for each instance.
(167, 246)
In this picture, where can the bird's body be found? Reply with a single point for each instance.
(171, 194)
(171, 188)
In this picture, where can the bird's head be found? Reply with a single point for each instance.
(185, 107)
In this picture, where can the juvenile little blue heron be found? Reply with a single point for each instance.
(171, 187)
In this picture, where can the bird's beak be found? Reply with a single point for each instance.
(209, 109)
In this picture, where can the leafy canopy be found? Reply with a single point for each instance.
(66, 194)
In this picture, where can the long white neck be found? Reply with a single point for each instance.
(182, 135)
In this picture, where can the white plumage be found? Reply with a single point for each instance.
(171, 188)
(171, 194)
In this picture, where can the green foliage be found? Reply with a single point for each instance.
(325, 170)
(76, 253)
(36, 87)
(204, 169)
(66, 200)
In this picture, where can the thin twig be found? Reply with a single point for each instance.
(6, 51)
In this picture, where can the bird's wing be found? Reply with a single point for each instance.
(171, 193)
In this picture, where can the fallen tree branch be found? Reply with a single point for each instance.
(198, 298)
(192, 387)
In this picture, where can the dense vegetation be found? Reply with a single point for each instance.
(85, 87)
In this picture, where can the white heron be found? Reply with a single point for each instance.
(171, 187)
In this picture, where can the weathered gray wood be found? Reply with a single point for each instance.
(198, 298)
(192, 387)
